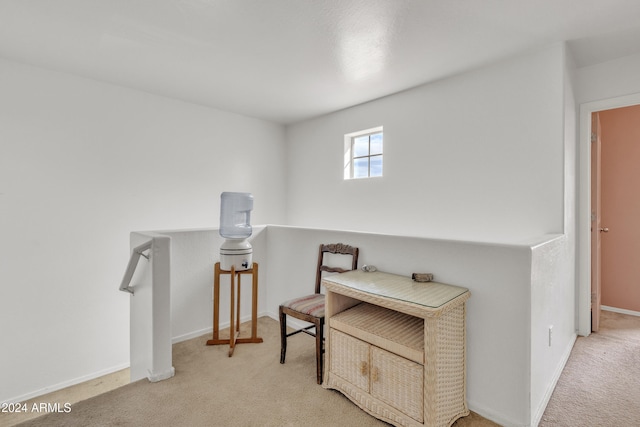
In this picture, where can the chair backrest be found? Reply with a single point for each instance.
(334, 248)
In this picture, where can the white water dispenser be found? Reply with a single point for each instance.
(235, 227)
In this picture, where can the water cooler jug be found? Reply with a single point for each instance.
(235, 227)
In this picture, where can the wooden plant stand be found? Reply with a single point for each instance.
(234, 325)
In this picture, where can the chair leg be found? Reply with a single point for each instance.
(319, 337)
(283, 335)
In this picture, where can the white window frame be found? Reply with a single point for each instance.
(349, 154)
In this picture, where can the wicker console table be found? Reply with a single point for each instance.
(396, 347)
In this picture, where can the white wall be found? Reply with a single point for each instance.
(610, 79)
(150, 311)
(553, 284)
(552, 306)
(478, 156)
(82, 164)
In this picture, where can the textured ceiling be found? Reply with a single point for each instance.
(288, 60)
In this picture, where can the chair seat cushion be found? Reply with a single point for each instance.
(312, 305)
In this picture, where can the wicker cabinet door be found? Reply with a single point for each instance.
(350, 359)
(398, 382)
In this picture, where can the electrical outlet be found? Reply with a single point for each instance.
(550, 334)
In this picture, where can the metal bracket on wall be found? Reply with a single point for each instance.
(137, 252)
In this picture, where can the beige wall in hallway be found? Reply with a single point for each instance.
(621, 207)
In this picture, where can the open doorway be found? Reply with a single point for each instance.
(586, 208)
(613, 229)
(620, 201)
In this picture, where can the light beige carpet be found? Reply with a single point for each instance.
(210, 389)
(600, 385)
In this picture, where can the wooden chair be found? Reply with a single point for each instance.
(310, 308)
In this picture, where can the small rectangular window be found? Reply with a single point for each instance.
(363, 154)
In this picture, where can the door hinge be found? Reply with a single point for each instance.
(594, 137)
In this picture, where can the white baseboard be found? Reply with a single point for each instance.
(66, 384)
(195, 334)
(209, 330)
(537, 416)
(117, 368)
(620, 310)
